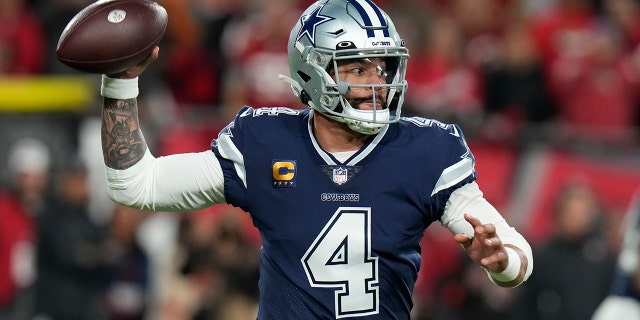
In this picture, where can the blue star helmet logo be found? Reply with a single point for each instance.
(310, 23)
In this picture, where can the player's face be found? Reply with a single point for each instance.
(368, 71)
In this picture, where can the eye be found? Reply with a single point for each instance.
(357, 70)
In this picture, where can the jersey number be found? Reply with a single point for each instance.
(340, 258)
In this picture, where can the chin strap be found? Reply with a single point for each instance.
(297, 89)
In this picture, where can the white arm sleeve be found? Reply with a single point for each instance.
(180, 182)
(617, 308)
(469, 199)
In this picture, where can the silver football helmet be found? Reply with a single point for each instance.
(331, 33)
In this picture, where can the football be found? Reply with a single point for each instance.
(110, 36)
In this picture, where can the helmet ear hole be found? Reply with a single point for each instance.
(305, 77)
(304, 96)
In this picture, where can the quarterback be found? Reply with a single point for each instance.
(342, 191)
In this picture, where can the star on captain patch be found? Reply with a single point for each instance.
(309, 24)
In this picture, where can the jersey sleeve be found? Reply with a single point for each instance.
(228, 148)
(246, 147)
(457, 167)
(460, 160)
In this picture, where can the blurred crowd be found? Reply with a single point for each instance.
(545, 90)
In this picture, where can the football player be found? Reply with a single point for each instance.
(341, 192)
(623, 301)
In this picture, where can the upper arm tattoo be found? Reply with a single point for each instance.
(123, 144)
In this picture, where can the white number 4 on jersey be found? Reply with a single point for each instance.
(340, 258)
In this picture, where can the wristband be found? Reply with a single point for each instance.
(512, 270)
(119, 88)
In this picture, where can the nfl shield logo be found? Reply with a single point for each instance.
(339, 175)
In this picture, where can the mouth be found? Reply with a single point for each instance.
(368, 103)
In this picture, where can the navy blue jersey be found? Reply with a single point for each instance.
(339, 239)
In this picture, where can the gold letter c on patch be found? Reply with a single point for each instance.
(284, 170)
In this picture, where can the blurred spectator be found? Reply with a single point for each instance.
(183, 28)
(624, 17)
(194, 66)
(623, 301)
(213, 274)
(20, 204)
(22, 39)
(236, 256)
(195, 63)
(438, 293)
(257, 52)
(556, 28)
(127, 287)
(481, 300)
(589, 70)
(187, 284)
(481, 23)
(75, 256)
(595, 85)
(516, 92)
(442, 85)
(55, 15)
(574, 267)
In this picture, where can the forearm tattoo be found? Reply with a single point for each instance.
(123, 144)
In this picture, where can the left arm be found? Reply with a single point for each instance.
(487, 237)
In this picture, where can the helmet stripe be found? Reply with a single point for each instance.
(371, 15)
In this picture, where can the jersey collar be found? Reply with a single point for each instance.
(353, 160)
